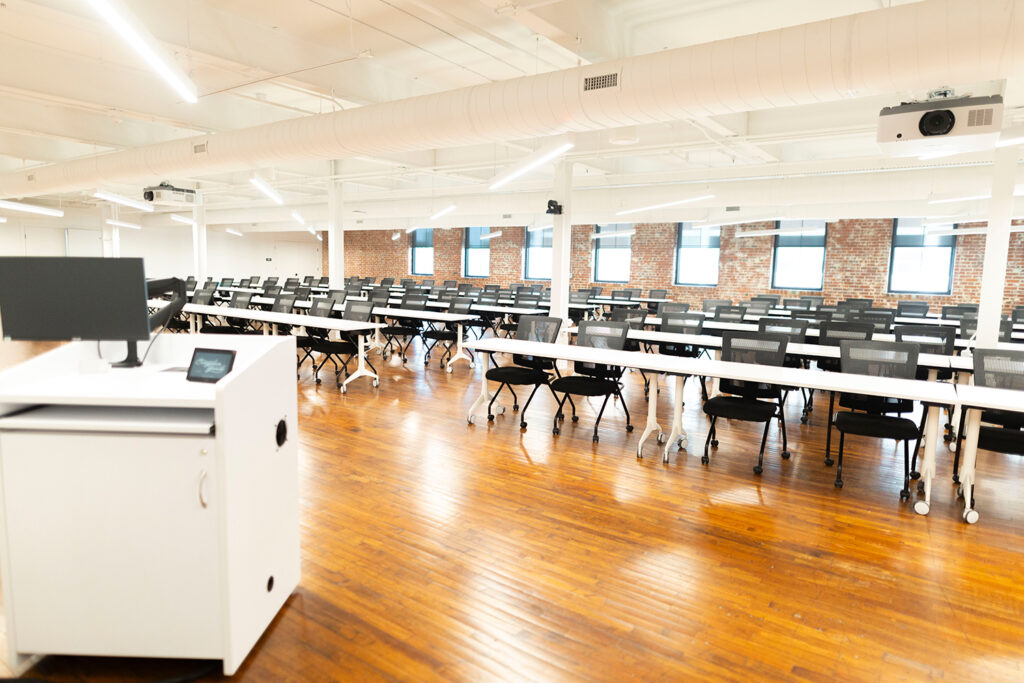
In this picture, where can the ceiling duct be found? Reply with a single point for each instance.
(905, 48)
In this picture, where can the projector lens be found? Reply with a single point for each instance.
(939, 122)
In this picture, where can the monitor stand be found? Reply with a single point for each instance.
(132, 359)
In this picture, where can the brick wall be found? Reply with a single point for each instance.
(856, 262)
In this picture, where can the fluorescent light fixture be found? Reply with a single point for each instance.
(968, 198)
(298, 218)
(412, 229)
(780, 231)
(964, 231)
(233, 232)
(135, 34)
(124, 201)
(538, 228)
(491, 235)
(261, 185)
(443, 212)
(744, 221)
(666, 204)
(31, 208)
(396, 235)
(2, 219)
(311, 230)
(620, 233)
(182, 219)
(123, 224)
(524, 166)
(320, 238)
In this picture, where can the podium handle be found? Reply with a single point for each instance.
(202, 488)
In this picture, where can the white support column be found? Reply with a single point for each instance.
(111, 234)
(199, 243)
(561, 242)
(335, 232)
(997, 246)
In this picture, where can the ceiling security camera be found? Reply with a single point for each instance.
(554, 207)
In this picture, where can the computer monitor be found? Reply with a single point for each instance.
(64, 299)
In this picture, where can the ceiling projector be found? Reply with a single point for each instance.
(941, 125)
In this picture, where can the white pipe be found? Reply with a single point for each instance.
(905, 48)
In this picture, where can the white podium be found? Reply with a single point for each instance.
(143, 515)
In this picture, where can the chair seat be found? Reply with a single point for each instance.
(516, 375)
(740, 408)
(399, 331)
(338, 347)
(1003, 418)
(582, 385)
(439, 335)
(1001, 440)
(875, 404)
(878, 426)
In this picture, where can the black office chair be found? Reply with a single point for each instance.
(757, 308)
(814, 318)
(594, 379)
(860, 304)
(935, 339)
(771, 299)
(880, 320)
(387, 281)
(673, 307)
(445, 333)
(912, 309)
(240, 325)
(302, 293)
(709, 305)
(190, 283)
(272, 290)
(307, 343)
(796, 304)
(343, 349)
(657, 294)
(227, 282)
(1017, 316)
(283, 303)
(969, 328)
(270, 282)
(872, 418)
(324, 282)
(814, 301)
(526, 370)
(203, 297)
(731, 314)
(622, 294)
(745, 400)
(634, 317)
(796, 330)
(408, 328)
(291, 283)
(523, 299)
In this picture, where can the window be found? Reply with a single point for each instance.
(611, 254)
(476, 257)
(799, 261)
(538, 255)
(920, 263)
(697, 254)
(423, 252)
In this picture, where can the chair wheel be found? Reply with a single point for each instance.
(575, 418)
(904, 496)
(947, 437)
(714, 443)
(704, 460)
(515, 407)
(839, 483)
(490, 418)
(318, 380)
(803, 420)
(829, 462)
(596, 438)
(661, 438)
(956, 478)
(426, 363)
(555, 431)
(344, 388)
(920, 487)
(959, 491)
(522, 425)
(629, 428)
(915, 475)
(376, 382)
(785, 455)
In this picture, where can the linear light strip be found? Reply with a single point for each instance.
(491, 235)
(182, 219)
(233, 232)
(666, 204)
(443, 212)
(124, 201)
(524, 166)
(123, 224)
(538, 228)
(31, 208)
(270, 193)
(621, 233)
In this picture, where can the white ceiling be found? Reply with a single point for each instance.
(70, 89)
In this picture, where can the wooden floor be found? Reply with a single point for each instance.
(436, 550)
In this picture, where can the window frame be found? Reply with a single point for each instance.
(466, 232)
(413, 246)
(611, 227)
(824, 254)
(680, 227)
(892, 262)
(545, 235)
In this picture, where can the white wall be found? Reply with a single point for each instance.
(17, 239)
(167, 252)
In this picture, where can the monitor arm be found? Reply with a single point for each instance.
(171, 285)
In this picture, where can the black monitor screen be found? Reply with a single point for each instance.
(60, 299)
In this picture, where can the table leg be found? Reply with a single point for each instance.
(954, 418)
(378, 341)
(676, 435)
(652, 418)
(482, 400)
(968, 464)
(192, 323)
(931, 435)
(715, 382)
(460, 352)
(361, 369)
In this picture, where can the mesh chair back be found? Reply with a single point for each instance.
(492, 288)
(760, 348)
(406, 282)
(324, 282)
(862, 303)
(368, 280)
(291, 283)
(999, 369)
(1017, 316)
(283, 303)
(757, 307)
(733, 314)
(227, 282)
(527, 299)
(302, 293)
(190, 282)
(794, 329)
(339, 295)
(244, 282)
(912, 309)
(272, 290)
(414, 302)
(879, 358)
(308, 280)
(770, 299)
(813, 317)
(428, 283)
(601, 334)
(658, 293)
(203, 297)
(461, 305)
(536, 288)
(796, 304)
(488, 298)
(622, 294)
(709, 305)
(815, 301)
(358, 311)
(579, 297)
(672, 307)
(954, 312)
(929, 338)
(681, 322)
(969, 328)
(516, 286)
(240, 300)
(270, 281)
(464, 287)
(447, 297)
(633, 316)
(322, 308)
(538, 328)
(833, 333)
(387, 281)
(380, 295)
(880, 320)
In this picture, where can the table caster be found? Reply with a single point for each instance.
(376, 382)
(758, 469)
(970, 516)
(344, 388)
(661, 437)
(681, 443)
(921, 507)
(499, 410)
(449, 369)
(471, 419)
(629, 428)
